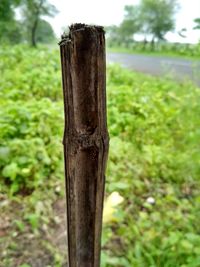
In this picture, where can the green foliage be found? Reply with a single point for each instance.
(160, 48)
(9, 27)
(154, 154)
(157, 17)
(130, 25)
(33, 11)
(31, 27)
(150, 18)
(113, 35)
(197, 22)
(154, 131)
(44, 33)
(30, 119)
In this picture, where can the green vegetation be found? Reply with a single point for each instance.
(31, 28)
(154, 153)
(150, 21)
(189, 51)
(153, 164)
(197, 22)
(150, 18)
(33, 11)
(157, 17)
(9, 27)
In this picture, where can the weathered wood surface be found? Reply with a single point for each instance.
(85, 140)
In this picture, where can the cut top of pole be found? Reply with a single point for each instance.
(85, 140)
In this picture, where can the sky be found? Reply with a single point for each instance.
(111, 12)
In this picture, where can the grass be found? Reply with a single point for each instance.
(173, 54)
(153, 166)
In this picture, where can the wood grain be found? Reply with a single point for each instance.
(85, 140)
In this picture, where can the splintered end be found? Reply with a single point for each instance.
(65, 38)
(81, 27)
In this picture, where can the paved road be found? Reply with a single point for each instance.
(178, 68)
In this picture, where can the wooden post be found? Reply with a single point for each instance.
(85, 140)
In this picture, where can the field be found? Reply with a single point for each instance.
(188, 51)
(152, 208)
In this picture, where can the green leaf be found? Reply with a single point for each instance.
(10, 171)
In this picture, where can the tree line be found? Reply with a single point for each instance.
(31, 27)
(153, 19)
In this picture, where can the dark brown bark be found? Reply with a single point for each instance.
(33, 33)
(85, 140)
(36, 15)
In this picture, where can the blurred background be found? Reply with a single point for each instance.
(152, 200)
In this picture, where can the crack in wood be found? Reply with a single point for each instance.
(85, 140)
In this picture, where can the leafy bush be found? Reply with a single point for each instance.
(30, 118)
(153, 155)
(29, 73)
(153, 163)
(31, 146)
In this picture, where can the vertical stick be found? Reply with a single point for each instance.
(85, 140)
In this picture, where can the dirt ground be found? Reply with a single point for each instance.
(21, 246)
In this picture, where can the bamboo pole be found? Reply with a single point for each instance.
(85, 140)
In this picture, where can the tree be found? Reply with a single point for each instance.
(157, 17)
(33, 11)
(124, 33)
(9, 27)
(44, 33)
(151, 17)
(197, 26)
(131, 23)
(113, 35)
